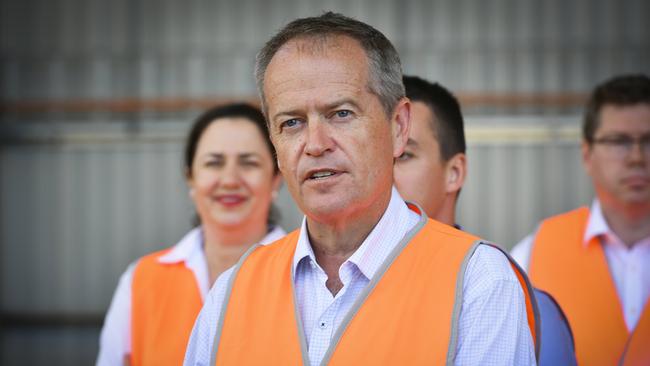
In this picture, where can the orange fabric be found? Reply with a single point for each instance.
(406, 319)
(165, 301)
(532, 323)
(578, 278)
(638, 349)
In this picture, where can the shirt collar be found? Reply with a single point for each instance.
(391, 228)
(597, 226)
(189, 245)
(192, 244)
(189, 250)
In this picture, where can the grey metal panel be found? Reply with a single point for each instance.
(57, 347)
(69, 46)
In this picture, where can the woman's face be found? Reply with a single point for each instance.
(232, 176)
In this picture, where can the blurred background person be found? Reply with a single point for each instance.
(433, 167)
(431, 172)
(232, 175)
(596, 261)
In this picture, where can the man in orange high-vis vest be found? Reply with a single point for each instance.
(596, 261)
(366, 279)
(431, 172)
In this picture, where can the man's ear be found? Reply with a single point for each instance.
(401, 124)
(277, 184)
(455, 173)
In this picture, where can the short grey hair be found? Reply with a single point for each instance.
(384, 66)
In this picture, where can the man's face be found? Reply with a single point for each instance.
(620, 178)
(335, 145)
(420, 171)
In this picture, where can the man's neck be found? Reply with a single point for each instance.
(630, 224)
(334, 242)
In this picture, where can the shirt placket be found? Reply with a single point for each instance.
(323, 329)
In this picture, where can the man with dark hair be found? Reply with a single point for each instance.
(432, 169)
(596, 261)
(360, 282)
(431, 172)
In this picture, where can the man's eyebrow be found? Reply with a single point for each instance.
(290, 113)
(326, 107)
(412, 142)
(340, 102)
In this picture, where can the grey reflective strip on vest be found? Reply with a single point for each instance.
(453, 341)
(621, 361)
(304, 351)
(533, 301)
(458, 303)
(371, 285)
(224, 304)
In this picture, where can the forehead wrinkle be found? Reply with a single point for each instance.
(327, 46)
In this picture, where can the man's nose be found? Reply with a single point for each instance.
(639, 151)
(318, 137)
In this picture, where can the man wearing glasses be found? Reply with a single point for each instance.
(596, 261)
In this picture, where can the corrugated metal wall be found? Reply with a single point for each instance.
(85, 191)
(156, 48)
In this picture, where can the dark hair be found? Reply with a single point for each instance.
(238, 110)
(622, 90)
(449, 130)
(384, 67)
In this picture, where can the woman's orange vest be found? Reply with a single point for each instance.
(579, 279)
(165, 301)
(409, 316)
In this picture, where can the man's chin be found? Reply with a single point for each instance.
(637, 199)
(325, 211)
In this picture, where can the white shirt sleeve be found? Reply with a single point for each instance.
(115, 338)
(521, 251)
(493, 324)
(199, 347)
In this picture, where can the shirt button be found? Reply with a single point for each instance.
(322, 325)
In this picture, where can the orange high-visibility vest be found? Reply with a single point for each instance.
(165, 301)
(408, 315)
(578, 277)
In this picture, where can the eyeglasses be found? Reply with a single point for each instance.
(622, 145)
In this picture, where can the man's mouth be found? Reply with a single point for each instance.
(322, 174)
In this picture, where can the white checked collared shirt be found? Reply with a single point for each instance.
(493, 328)
(115, 337)
(629, 267)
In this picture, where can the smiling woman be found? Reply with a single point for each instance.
(232, 176)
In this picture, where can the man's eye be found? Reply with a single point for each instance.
(290, 123)
(619, 141)
(343, 113)
(405, 156)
